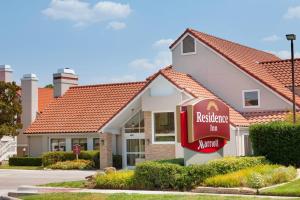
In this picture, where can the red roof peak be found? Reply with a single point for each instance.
(109, 84)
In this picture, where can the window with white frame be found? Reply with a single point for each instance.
(251, 98)
(164, 127)
(96, 144)
(188, 45)
(135, 124)
(80, 141)
(58, 144)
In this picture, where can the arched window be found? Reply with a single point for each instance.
(135, 124)
(188, 45)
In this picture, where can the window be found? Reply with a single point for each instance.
(188, 45)
(96, 144)
(81, 141)
(135, 124)
(58, 144)
(164, 127)
(251, 98)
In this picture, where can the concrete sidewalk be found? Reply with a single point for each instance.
(25, 190)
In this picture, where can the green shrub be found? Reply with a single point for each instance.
(72, 164)
(277, 141)
(115, 180)
(178, 161)
(231, 164)
(164, 175)
(151, 175)
(255, 177)
(255, 180)
(51, 158)
(24, 161)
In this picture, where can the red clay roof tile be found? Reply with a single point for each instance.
(84, 108)
(45, 96)
(265, 116)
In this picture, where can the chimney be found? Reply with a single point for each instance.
(63, 80)
(5, 73)
(29, 96)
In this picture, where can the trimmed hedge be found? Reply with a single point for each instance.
(178, 161)
(277, 141)
(24, 161)
(72, 164)
(115, 180)
(164, 176)
(51, 158)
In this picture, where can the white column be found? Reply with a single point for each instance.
(90, 143)
(68, 144)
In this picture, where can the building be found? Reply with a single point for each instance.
(138, 119)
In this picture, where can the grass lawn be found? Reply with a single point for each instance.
(21, 167)
(69, 184)
(289, 189)
(88, 196)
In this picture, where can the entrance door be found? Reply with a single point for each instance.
(135, 148)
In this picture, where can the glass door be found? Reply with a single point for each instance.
(135, 148)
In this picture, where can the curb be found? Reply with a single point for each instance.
(222, 190)
(8, 198)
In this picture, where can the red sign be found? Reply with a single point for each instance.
(76, 149)
(205, 126)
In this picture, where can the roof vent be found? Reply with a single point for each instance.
(66, 70)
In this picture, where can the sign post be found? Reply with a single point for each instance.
(76, 150)
(204, 126)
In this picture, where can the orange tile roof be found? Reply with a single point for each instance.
(246, 58)
(282, 71)
(265, 117)
(85, 108)
(194, 88)
(45, 96)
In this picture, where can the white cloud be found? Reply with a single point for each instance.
(163, 43)
(161, 59)
(83, 13)
(271, 38)
(116, 25)
(284, 54)
(292, 13)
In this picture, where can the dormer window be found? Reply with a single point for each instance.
(188, 45)
(251, 98)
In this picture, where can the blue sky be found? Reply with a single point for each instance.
(128, 40)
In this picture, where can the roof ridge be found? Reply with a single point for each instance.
(226, 40)
(265, 111)
(108, 84)
(277, 61)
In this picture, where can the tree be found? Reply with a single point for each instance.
(10, 109)
(49, 86)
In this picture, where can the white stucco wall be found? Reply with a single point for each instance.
(223, 78)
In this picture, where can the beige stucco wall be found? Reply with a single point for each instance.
(224, 79)
(38, 144)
